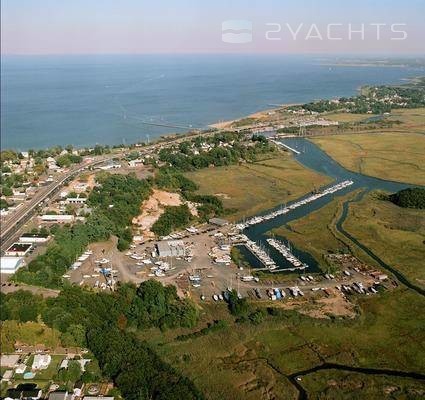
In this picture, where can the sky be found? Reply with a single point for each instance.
(189, 26)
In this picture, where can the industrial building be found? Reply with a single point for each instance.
(9, 265)
(171, 248)
(34, 238)
(57, 218)
(218, 221)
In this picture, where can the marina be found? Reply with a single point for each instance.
(286, 252)
(257, 228)
(284, 210)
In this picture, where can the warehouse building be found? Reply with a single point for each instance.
(171, 248)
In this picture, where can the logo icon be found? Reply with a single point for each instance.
(236, 31)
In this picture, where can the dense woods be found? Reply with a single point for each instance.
(409, 198)
(105, 323)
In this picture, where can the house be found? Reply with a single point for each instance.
(9, 360)
(41, 361)
(59, 395)
(135, 163)
(18, 249)
(25, 391)
(20, 369)
(9, 265)
(7, 376)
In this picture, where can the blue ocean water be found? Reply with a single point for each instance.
(84, 100)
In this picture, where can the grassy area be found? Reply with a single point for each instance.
(395, 234)
(395, 156)
(412, 118)
(30, 333)
(250, 188)
(347, 117)
(251, 362)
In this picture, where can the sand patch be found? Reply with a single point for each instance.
(222, 195)
(335, 305)
(153, 208)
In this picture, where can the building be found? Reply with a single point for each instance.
(9, 360)
(27, 391)
(9, 265)
(7, 376)
(218, 221)
(20, 369)
(135, 163)
(56, 218)
(59, 395)
(172, 248)
(18, 249)
(76, 200)
(98, 398)
(41, 361)
(33, 238)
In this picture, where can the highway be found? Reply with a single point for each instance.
(11, 224)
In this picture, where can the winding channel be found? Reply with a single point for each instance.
(302, 393)
(312, 157)
(370, 253)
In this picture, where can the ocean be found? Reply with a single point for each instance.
(84, 100)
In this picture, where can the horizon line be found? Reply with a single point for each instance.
(376, 53)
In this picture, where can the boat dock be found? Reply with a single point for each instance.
(260, 253)
(299, 203)
(286, 253)
(286, 146)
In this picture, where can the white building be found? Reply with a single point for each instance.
(33, 238)
(41, 361)
(9, 265)
(9, 360)
(57, 218)
(76, 200)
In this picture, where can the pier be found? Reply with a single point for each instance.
(282, 211)
(286, 146)
(287, 254)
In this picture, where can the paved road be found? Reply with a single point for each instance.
(11, 224)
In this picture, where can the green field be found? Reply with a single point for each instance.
(395, 234)
(30, 333)
(250, 188)
(252, 362)
(397, 156)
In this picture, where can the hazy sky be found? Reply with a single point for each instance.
(188, 26)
